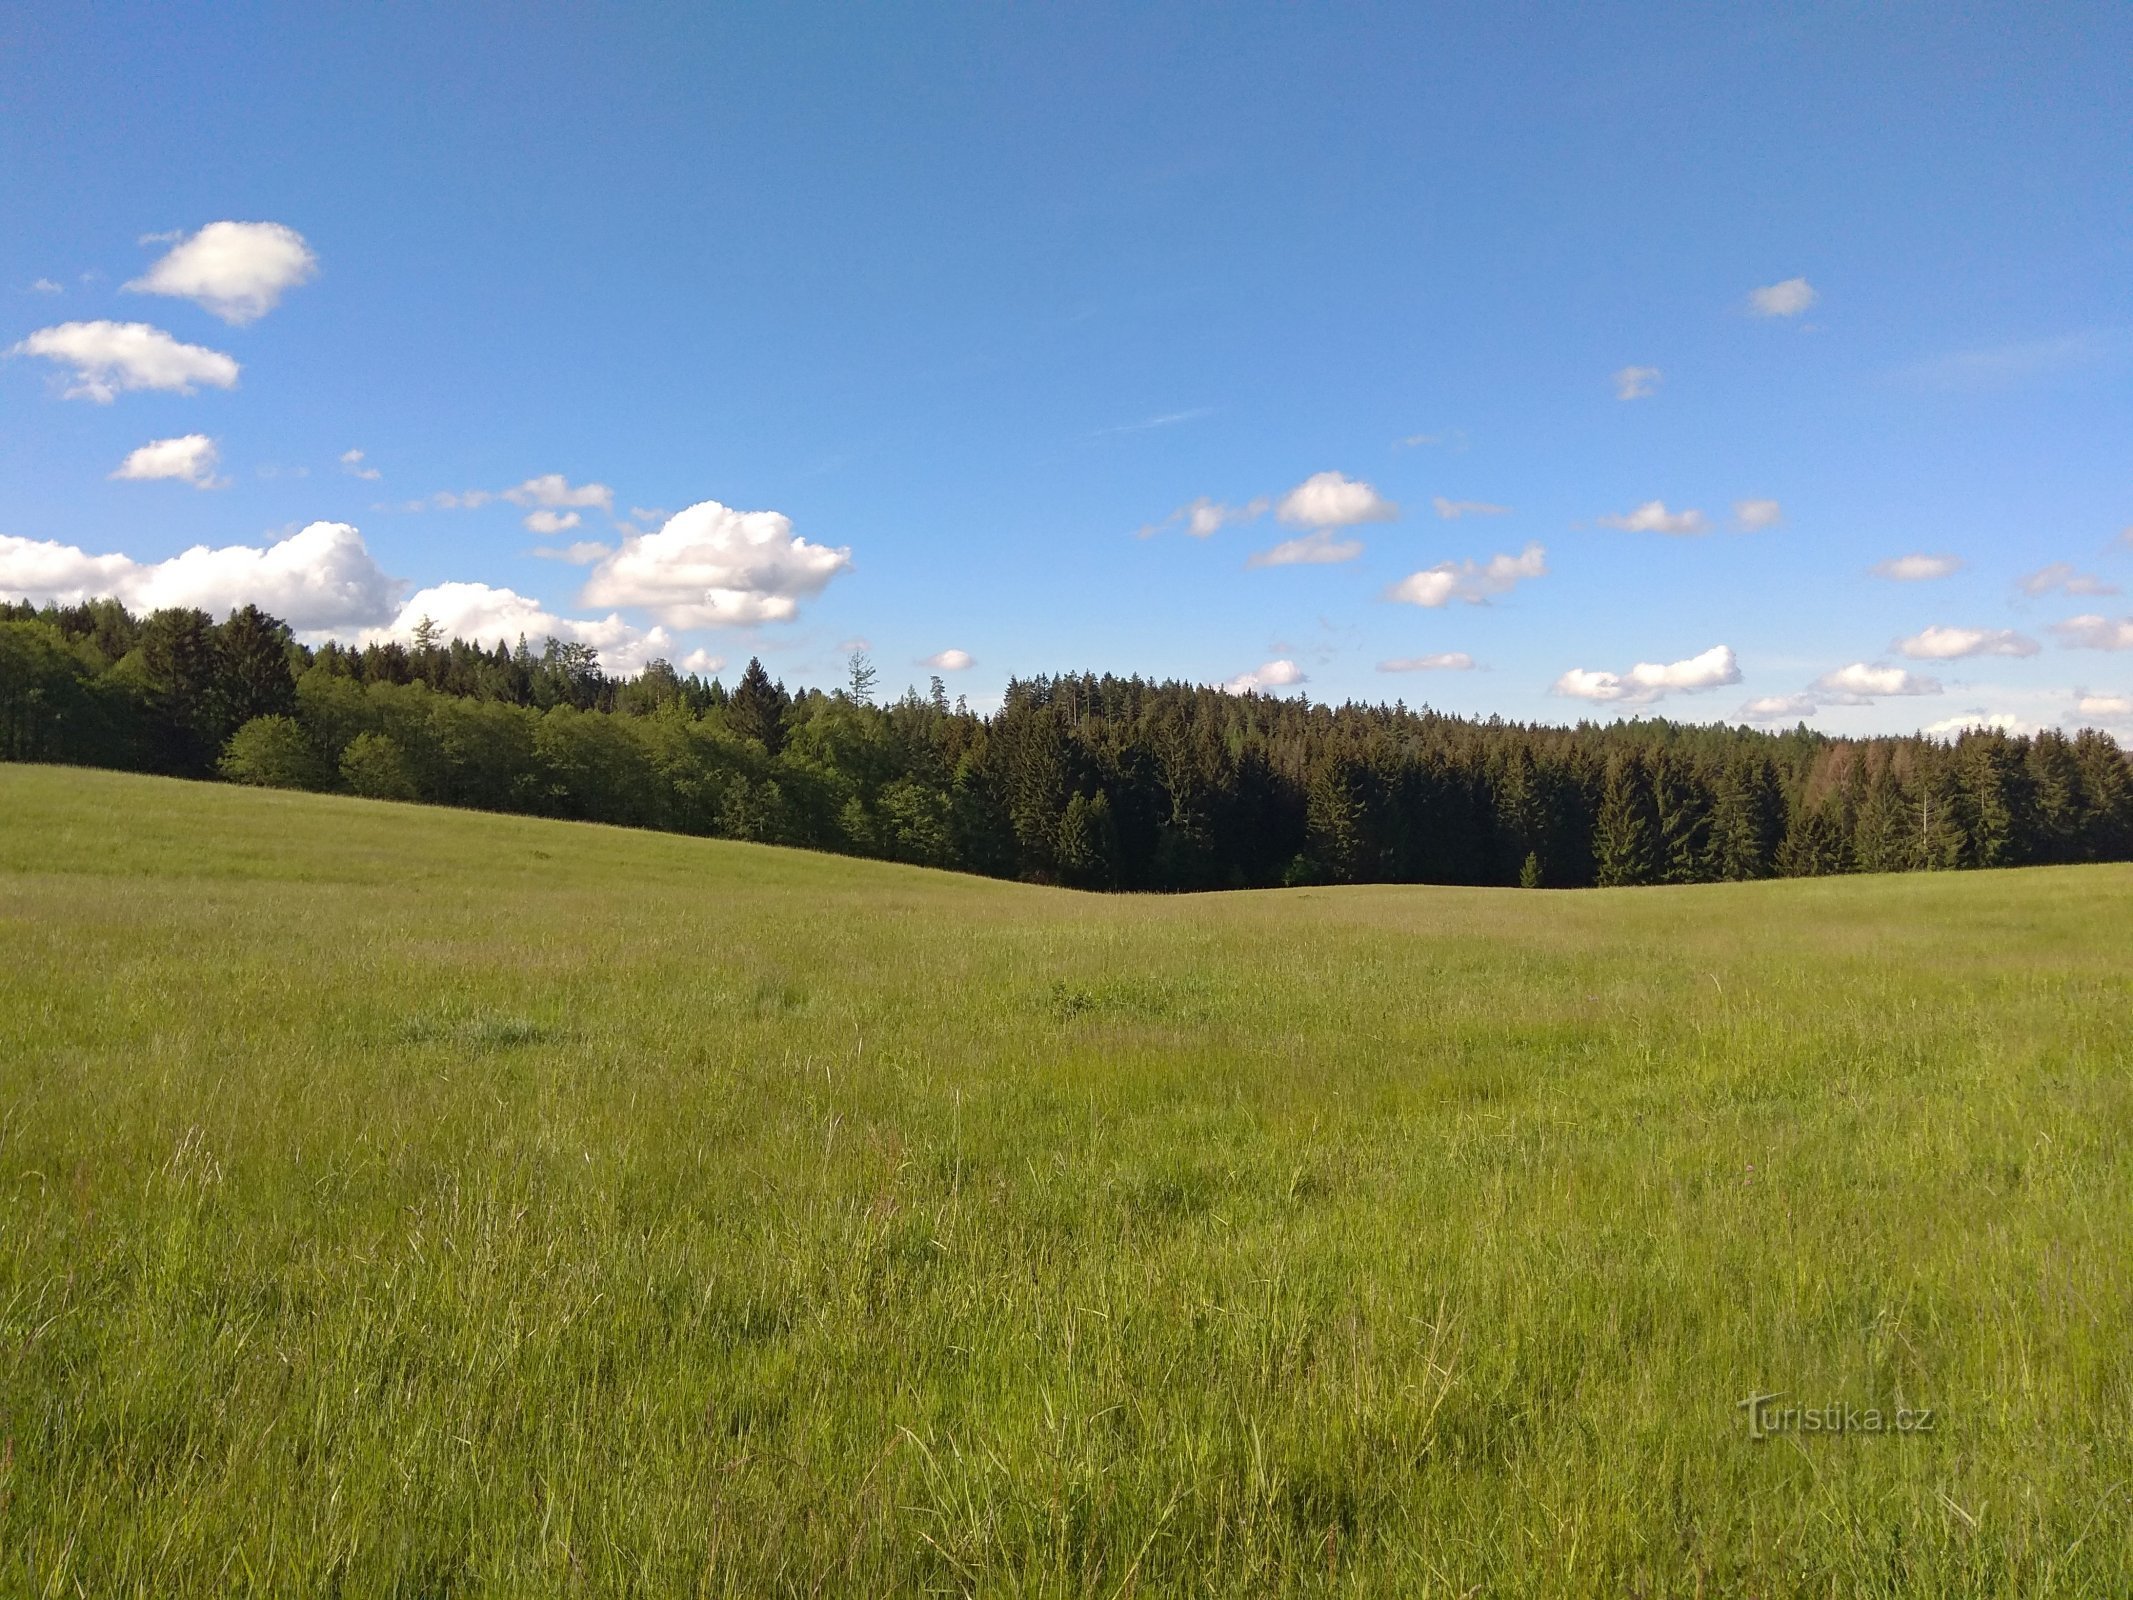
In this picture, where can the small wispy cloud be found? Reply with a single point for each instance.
(2018, 361)
(1316, 549)
(1637, 383)
(1948, 644)
(1473, 582)
(353, 464)
(1752, 516)
(2094, 632)
(582, 554)
(1169, 419)
(2059, 577)
(1917, 568)
(1445, 661)
(1786, 299)
(1453, 510)
(45, 286)
(1653, 517)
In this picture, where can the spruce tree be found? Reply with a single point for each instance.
(1624, 846)
(757, 708)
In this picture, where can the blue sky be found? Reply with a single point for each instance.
(968, 300)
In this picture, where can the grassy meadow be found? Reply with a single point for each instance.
(416, 1202)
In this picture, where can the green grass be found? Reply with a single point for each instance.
(415, 1202)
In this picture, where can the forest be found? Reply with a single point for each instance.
(1093, 782)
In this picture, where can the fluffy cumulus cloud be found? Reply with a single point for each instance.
(2093, 632)
(319, 579)
(191, 458)
(237, 270)
(1453, 510)
(1975, 718)
(1653, 517)
(1471, 581)
(1637, 383)
(1947, 644)
(1917, 568)
(1651, 680)
(1752, 516)
(483, 614)
(1862, 683)
(108, 358)
(1322, 548)
(1333, 500)
(1780, 708)
(2110, 707)
(1281, 674)
(712, 566)
(353, 464)
(547, 522)
(950, 661)
(1445, 661)
(702, 662)
(2059, 577)
(1786, 299)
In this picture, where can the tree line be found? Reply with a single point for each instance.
(1095, 782)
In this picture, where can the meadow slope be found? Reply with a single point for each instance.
(418, 1202)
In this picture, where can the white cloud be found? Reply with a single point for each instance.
(1787, 299)
(1447, 661)
(108, 357)
(1471, 581)
(191, 459)
(1755, 515)
(1978, 717)
(1860, 683)
(1946, 644)
(2092, 632)
(949, 661)
(712, 566)
(45, 286)
(1332, 500)
(352, 464)
(237, 270)
(2111, 706)
(581, 554)
(1653, 517)
(1312, 550)
(1780, 708)
(1917, 568)
(1204, 517)
(482, 614)
(1270, 675)
(554, 491)
(1453, 510)
(702, 662)
(552, 522)
(2059, 577)
(318, 579)
(1637, 383)
(1648, 680)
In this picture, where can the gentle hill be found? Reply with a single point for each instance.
(404, 1200)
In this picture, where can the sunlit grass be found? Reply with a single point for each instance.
(405, 1201)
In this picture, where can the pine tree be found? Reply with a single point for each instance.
(1529, 875)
